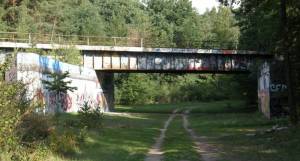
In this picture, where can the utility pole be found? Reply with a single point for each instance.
(288, 65)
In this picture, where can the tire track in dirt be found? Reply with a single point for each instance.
(206, 151)
(155, 153)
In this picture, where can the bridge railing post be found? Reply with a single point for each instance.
(115, 41)
(88, 40)
(29, 38)
(142, 42)
(59, 39)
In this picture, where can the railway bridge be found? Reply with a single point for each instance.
(117, 55)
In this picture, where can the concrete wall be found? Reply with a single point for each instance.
(264, 90)
(31, 69)
(272, 89)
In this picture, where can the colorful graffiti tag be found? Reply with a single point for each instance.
(52, 101)
(263, 90)
(220, 62)
(32, 69)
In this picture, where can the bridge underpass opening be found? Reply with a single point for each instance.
(107, 80)
(177, 61)
(269, 88)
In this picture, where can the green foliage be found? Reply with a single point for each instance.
(64, 142)
(70, 55)
(163, 88)
(90, 117)
(20, 133)
(12, 105)
(33, 128)
(136, 89)
(58, 84)
(82, 18)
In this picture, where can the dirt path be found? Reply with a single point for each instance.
(207, 151)
(155, 153)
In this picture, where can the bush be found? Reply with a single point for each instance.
(34, 127)
(65, 142)
(90, 117)
(12, 107)
(164, 88)
(136, 89)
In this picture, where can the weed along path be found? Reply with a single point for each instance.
(155, 153)
(206, 151)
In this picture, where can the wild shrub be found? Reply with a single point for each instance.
(64, 142)
(91, 117)
(22, 132)
(58, 85)
(12, 107)
(82, 134)
(34, 127)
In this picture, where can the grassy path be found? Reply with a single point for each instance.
(125, 137)
(229, 130)
(223, 124)
(178, 145)
(155, 153)
(174, 143)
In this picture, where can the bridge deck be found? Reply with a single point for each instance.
(142, 59)
(18, 45)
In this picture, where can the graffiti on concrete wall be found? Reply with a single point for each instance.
(278, 87)
(221, 62)
(52, 101)
(32, 69)
(263, 89)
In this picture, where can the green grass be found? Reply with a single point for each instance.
(178, 144)
(128, 137)
(228, 130)
(123, 138)
(195, 107)
(226, 106)
(155, 108)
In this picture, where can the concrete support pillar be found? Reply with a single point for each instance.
(107, 83)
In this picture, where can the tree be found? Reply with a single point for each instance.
(274, 26)
(25, 21)
(81, 18)
(3, 26)
(58, 85)
(288, 62)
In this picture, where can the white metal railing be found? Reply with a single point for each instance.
(34, 38)
(38, 38)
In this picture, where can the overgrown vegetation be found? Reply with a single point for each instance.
(161, 88)
(12, 108)
(27, 134)
(91, 117)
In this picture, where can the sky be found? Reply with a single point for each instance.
(203, 5)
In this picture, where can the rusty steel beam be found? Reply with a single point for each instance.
(170, 62)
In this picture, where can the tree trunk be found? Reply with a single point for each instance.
(288, 65)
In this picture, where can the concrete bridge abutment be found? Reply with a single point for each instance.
(107, 83)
